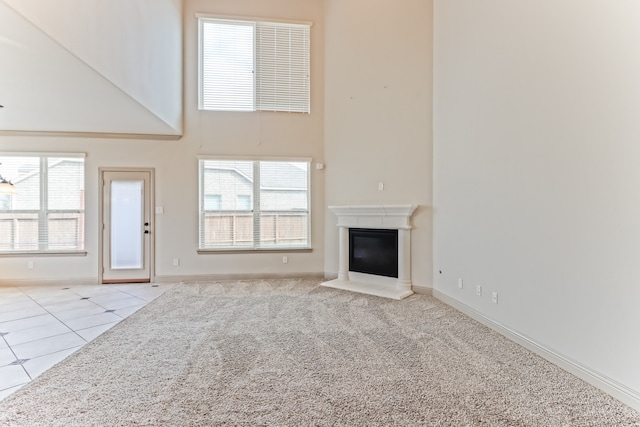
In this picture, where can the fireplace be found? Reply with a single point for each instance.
(374, 253)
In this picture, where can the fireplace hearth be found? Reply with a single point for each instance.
(374, 250)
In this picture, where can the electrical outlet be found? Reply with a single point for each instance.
(479, 290)
(494, 297)
(285, 259)
(30, 265)
(176, 262)
(460, 284)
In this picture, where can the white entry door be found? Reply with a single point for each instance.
(127, 239)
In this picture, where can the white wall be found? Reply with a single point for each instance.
(92, 66)
(175, 162)
(378, 115)
(536, 172)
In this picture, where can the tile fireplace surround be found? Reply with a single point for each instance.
(389, 217)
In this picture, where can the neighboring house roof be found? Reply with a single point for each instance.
(274, 176)
(34, 171)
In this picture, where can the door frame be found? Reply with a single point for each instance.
(152, 214)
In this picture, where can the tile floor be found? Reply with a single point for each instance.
(40, 326)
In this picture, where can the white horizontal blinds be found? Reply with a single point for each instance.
(249, 66)
(227, 65)
(284, 204)
(282, 67)
(65, 204)
(254, 204)
(47, 213)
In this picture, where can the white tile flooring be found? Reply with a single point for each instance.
(40, 326)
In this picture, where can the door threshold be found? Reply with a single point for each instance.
(113, 282)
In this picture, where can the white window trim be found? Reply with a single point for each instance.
(253, 18)
(306, 248)
(255, 159)
(41, 154)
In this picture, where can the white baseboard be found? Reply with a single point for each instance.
(161, 279)
(48, 282)
(619, 391)
(422, 290)
(330, 276)
(241, 276)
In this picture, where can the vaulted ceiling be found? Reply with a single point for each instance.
(91, 67)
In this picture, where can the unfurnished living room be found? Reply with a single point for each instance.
(319, 212)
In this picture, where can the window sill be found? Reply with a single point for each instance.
(252, 251)
(42, 254)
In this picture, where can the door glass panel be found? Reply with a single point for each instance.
(126, 224)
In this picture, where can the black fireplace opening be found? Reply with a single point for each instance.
(373, 251)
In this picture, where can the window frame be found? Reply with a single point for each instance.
(44, 211)
(255, 209)
(258, 83)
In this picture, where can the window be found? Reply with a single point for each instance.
(253, 65)
(47, 213)
(212, 202)
(265, 204)
(243, 203)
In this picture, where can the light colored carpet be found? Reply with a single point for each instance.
(292, 353)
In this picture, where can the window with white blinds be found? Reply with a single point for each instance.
(47, 212)
(254, 66)
(259, 204)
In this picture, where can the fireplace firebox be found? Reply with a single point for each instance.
(373, 251)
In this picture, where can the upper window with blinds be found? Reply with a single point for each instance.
(253, 65)
(45, 213)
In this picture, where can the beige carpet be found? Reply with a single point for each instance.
(292, 353)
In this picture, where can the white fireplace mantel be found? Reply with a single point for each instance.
(374, 216)
(391, 217)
